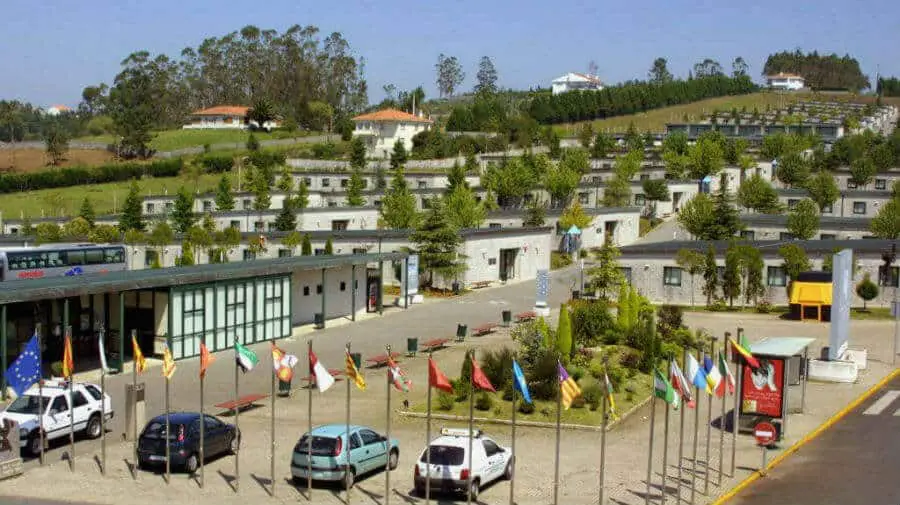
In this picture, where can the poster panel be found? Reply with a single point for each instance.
(761, 391)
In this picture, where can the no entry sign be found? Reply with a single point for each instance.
(765, 434)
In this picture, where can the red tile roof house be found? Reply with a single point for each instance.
(225, 117)
(381, 129)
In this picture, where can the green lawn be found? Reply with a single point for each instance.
(171, 140)
(106, 198)
(873, 313)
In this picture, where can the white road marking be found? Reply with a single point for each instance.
(882, 403)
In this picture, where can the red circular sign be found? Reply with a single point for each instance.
(765, 433)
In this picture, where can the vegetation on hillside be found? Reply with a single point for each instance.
(829, 72)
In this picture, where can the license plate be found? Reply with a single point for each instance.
(157, 458)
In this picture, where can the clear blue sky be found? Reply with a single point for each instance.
(51, 49)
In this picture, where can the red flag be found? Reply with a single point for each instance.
(479, 379)
(437, 379)
(205, 359)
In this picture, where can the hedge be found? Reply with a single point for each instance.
(79, 175)
(217, 163)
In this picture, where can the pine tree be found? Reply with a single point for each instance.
(187, 255)
(606, 276)
(224, 195)
(727, 222)
(398, 155)
(354, 189)
(456, 177)
(132, 214)
(357, 154)
(437, 242)
(710, 275)
(252, 143)
(87, 211)
(463, 211)
(398, 208)
(306, 246)
(301, 201)
(183, 216)
(329, 247)
(731, 278)
(380, 181)
(286, 220)
(286, 181)
(262, 197)
(564, 332)
(535, 214)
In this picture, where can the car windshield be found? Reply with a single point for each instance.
(27, 404)
(321, 446)
(444, 455)
(157, 429)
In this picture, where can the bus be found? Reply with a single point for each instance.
(60, 260)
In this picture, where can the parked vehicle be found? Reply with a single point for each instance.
(450, 463)
(86, 404)
(183, 439)
(329, 458)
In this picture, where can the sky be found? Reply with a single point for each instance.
(51, 49)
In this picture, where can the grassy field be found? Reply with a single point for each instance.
(29, 160)
(171, 140)
(872, 313)
(107, 198)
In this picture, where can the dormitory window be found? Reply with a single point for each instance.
(249, 255)
(785, 236)
(851, 185)
(149, 208)
(326, 182)
(827, 236)
(640, 199)
(792, 202)
(828, 209)
(284, 253)
(776, 277)
(859, 207)
(626, 273)
(344, 183)
(880, 184)
(748, 235)
(671, 276)
(207, 206)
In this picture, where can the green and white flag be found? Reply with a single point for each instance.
(246, 359)
(663, 389)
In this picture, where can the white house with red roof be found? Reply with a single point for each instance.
(55, 110)
(574, 81)
(224, 117)
(781, 80)
(381, 129)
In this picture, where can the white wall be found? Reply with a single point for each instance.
(337, 302)
(533, 254)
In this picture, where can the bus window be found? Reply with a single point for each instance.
(73, 258)
(93, 256)
(114, 255)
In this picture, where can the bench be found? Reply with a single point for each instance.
(433, 344)
(484, 329)
(480, 284)
(381, 359)
(241, 403)
(525, 316)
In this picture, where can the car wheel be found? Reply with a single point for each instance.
(349, 478)
(508, 473)
(34, 444)
(473, 489)
(235, 444)
(297, 481)
(419, 490)
(192, 463)
(94, 429)
(393, 459)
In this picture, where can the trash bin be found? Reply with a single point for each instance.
(357, 359)
(455, 288)
(412, 346)
(507, 317)
(319, 320)
(284, 388)
(461, 330)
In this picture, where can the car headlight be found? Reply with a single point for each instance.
(23, 433)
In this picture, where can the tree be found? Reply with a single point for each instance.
(510, 181)
(160, 236)
(46, 233)
(329, 247)
(261, 112)
(828, 262)
(792, 169)
(398, 155)
(456, 178)
(286, 220)
(260, 187)
(437, 242)
(655, 190)
(795, 261)
(603, 145)
(104, 234)
(463, 211)
(731, 277)
(574, 215)
(606, 276)
(862, 171)
(301, 200)
(822, 189)
(86, 211)
(560, 180)
(355, 188)
(133, 105)
(535, 214)
(698, 215)
(76, 230)
(187, 255)
(586, 135)
(291, 241)
(867, 290)
(739, 67)
(132, 212)
(692, 262)
(707, 68)
(886, 224)
(803, 220)
(306, 246)
(358, 153)
(252, 143)
(633, 140)
(710, 275)
(398, 208)
(201, 237)
(285, 182)
(224, 195)
(321, 115)
(57, 142)
(706, 157)
(449, 75)
(752, 265)
(727, 221)
(183, 216)
(564, 333)
(659, 72)
(486, 77)
(757, 194)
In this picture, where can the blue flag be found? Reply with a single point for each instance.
(519, 382)
(25, 371)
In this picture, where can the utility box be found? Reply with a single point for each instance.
(135, 410)
(10, 461)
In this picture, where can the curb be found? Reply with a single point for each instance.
(806, 439)
(533, 424)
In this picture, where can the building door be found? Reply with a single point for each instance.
(508, 263)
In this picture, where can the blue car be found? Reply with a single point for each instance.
(328, 461)
(184, 440)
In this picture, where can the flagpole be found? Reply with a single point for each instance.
(202, 425)
(709, 407)
(37, 332)
(387, 468)
(134, 441)
(605, 421)
(428, 435)
(272, 427)
(722, 418)
(237, 418)
(665, 472)
(71, 402)
(471, 356)
(650, 451)
(312, 378)
(696, 440)
(347, 463)
(558, 420)
(681, 432)
(735, 415)
(102, 348)
(512, 445)
(168, 434)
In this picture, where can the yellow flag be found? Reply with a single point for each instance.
(168, 364)
(140, 363)
(353, 373)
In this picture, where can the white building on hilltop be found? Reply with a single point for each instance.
(381, 129)
(225, 117)
(789, 82)
(574, 81)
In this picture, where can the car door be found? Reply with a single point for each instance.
(215, 436)
(375, 452)
(494, 460)
(81, 410)
(56, 422)
(358, 454)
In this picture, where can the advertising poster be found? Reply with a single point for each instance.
(412, 275)
(762, 392)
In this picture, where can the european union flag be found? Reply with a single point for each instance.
(519, 382)
(25, 371)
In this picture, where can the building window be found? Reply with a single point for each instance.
(344, 183)
(319, 252)
(169, 206)
(880, 184)
(422, 183)
(584, 198)
(332, 203)
(234, 223)
(626, 273)
(645, 177)
(365, 183)
(640, 199)
(360, 250)
(785, 236)
(247, 204)
(748, 235)
(149, 208)
(492, 261)
(827, 236)
(828, 209)
(207, 206)
(259, 226)
(339, 224)
(893, 281)
(776, 277)
(249, 255)
(859, 207)
(596, 180)
(720, 273)
(377, 203)
(343, 286)
(326, 182)
(792, 202)
(318, 289)
(426, 203)
(305, 290)
(151, 257)
(494, 226)
(671, 276)
(851, 184)
(285, 253)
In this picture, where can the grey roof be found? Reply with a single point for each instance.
(825, 222)
(592, 211)
(60, 287)
(869, 247)
(846, 193)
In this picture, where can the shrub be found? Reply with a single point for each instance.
(592, 393)
(542, 375)
(668, 319)
(763, 307)
(460, 389)
(578, 402)
(719, 305)
(445, 401)
(497, 365)
(525, 407)
(56, 368)
(216, 163)
(324, 151)
(559, 260)
(81, 175)
(484, 401)
(591, 321)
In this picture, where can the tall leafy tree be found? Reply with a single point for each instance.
(603, 145)
(456, 178)
(655, 190)
(87, 212)
(659, 72)
(285, 181)
(224, 195)
(710, 275)
(486, 77)
(692, 262)
(795, 261)
(698, 215)
(822, 189)
(706, 157)
(56, 140)
(739, 67)
(792, 169)
(886, 224)
(731, 277)
(463, 211)
(437, 243)
(450, 74)
(803, 220)
(301, 199)
(606, 277)
(132, 212)
(260, 188)
(509, 181)
(535, 213)
(398, 208)
(757, 194)
(355, 188)
(358, 154)
(399, 156)
(574, 215)
(182, 215)
(560, 180)
(862, 171)
(133, 102)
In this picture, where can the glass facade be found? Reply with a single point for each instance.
(250, 310)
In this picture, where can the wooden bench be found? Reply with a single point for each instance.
(381, 359)
(484, 329)
(525, 316)
(241, 403)
(433, 344)
(480, 284)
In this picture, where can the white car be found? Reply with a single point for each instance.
(450, 463)
(85, 402)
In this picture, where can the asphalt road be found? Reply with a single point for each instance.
(11, 500)
(854, 461)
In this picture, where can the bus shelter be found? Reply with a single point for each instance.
(765, 392)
